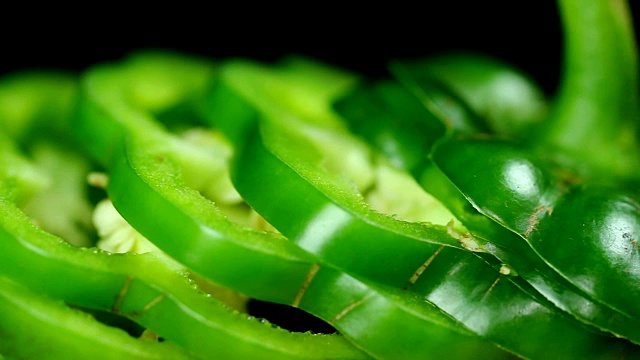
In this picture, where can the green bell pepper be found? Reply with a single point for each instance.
(448, 211)
(502, 243)
(31, 324)
(144, 165)
(151, 290)
(525, 180)
(332, 219)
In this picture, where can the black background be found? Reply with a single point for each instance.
(362, 38)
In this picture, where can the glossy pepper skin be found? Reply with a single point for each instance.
(585, 232)
(142, 167)
(500, 268)
(151, 290)
(514, 161)
(509, 185)
(445, 275)
(32, 323)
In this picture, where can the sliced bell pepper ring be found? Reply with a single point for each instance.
(456, 288)
(506, 100)
(604, 233)
(35, 104)
(265, 266)
(154, 292)
(258, 171)
(35, 326)
(509, 249)
(502, 243)
(151, 290)
(273, 269)
(544, 279)
(320, 218)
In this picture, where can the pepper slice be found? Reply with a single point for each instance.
(153, 291)
(510, 249)
(506, 100)
(150, 290)
(167, 306)
(32, 323)
(502, 243)
(258, 171)
(472, 293)
(529, 265)
(604, 234)
(281, 272)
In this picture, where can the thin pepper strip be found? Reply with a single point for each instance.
(218, 250)
(255, 171)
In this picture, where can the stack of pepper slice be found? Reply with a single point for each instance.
(155, 292)
(147, 178)
(326, 219)
(559, 207)
(413, 214)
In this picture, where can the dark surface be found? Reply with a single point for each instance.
(289, 318)
(363, 38)
(526, 34)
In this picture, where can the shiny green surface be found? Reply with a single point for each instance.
(190, 228)
(460, 283)
(503, 192)
(592, 128)
(608, 264)
(127, 284)
(523, 187)
(506, 99)
(519, 248)
(510, 249)
(278, 271)
(31, 323)
(607, 268)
